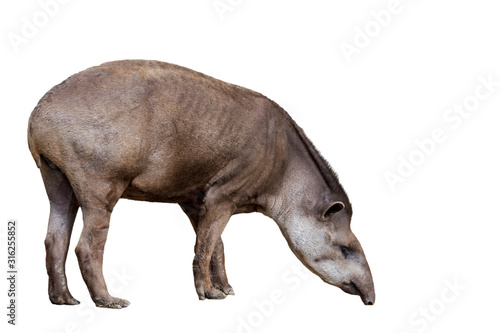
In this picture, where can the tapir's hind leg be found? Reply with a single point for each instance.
(100, 199)
(63, 209)
(217, 262)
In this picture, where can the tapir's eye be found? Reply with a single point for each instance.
(336, 207)
(345, 251)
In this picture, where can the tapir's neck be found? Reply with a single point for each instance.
(304, 184)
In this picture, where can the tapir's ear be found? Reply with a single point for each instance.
(331, 209)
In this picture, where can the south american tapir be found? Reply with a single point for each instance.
(154, 131)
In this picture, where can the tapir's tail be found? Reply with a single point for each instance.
(31, 140)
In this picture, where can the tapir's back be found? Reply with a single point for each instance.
(153, 121)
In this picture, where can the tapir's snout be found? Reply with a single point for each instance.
(365, 291)
(368, 298)
(366, 288)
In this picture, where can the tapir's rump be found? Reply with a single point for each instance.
(148, 130)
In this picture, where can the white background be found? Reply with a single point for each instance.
(439, 227)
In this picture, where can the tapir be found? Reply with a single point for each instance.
(154, 131)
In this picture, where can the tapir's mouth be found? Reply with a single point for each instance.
(352, 289)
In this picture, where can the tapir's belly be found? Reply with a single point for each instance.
(175, 184)
(134, 193)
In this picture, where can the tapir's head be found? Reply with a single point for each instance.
(321, 237)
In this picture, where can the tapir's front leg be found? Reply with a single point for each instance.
(217, 262)
(209, 230)
(218, 269)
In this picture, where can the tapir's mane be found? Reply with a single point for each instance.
(324, 167)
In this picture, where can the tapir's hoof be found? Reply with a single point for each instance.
(211, 293)
(112, 303)
(64, 300)
(226, 289)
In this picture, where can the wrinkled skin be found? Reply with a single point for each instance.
(152, 131)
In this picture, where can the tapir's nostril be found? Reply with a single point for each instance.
(369, 303)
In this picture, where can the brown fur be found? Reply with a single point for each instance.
(147, 130)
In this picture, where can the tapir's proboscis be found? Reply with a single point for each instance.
(153, 131)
